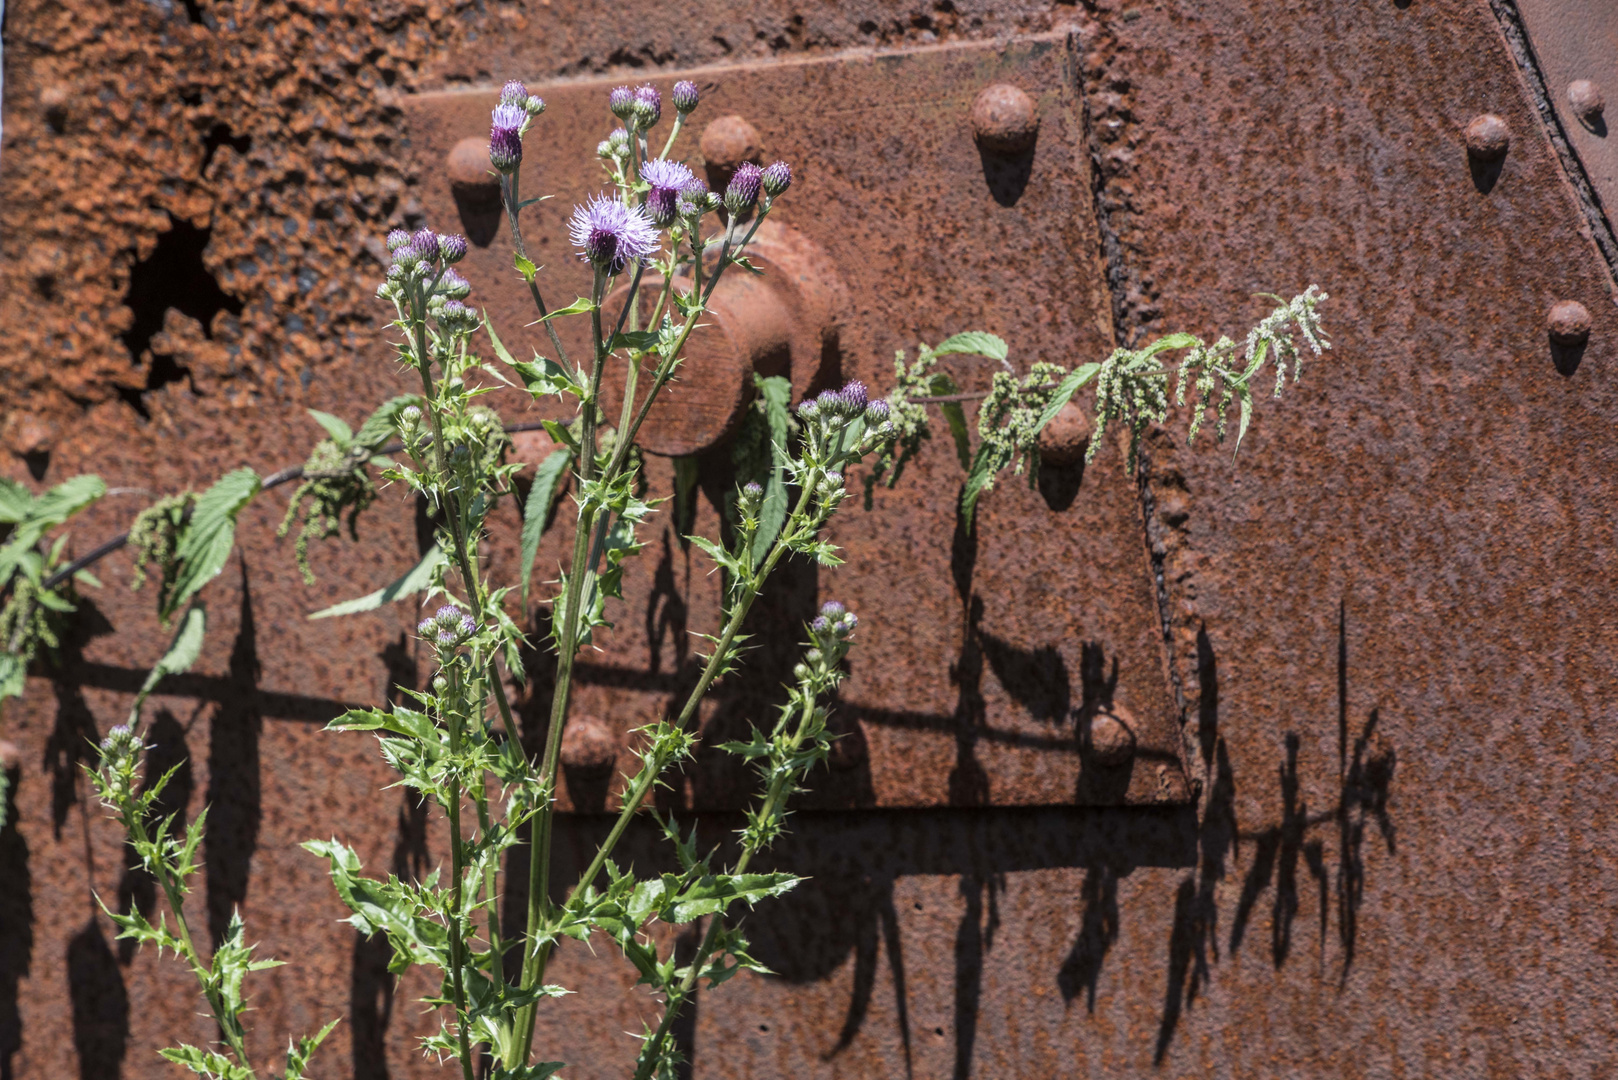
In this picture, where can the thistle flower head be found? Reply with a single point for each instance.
(693, 199)
(853, 398)
(685, 96)
(876, 413)
(451, 248)
(832, 609)
(505, 136)
(609, 235)
(621, 102)
(668, 179)
(448, 627)
(776, 179)
(742, 194)
(397, 239)
(752, 492)
(618, 139)
(513, 93)
(454, 286)
(409, 417)
(648, 106)
(508, 116)
(534, 105)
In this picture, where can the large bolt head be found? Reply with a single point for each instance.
(1066, 437)
(1487, 138)
(1568, 323)
(726, 143)
(1111, 737)
(10, 755)
(1005, 120)
(467, 168)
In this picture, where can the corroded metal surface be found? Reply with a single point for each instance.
(980, 649)
(1390, 627)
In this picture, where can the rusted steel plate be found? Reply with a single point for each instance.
(1575, 43)
(1434, 501)
(980, 652)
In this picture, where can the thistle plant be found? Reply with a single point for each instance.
(657, 242)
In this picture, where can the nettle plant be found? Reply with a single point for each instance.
(655, 228)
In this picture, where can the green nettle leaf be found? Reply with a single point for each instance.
(1069, 386)
(182, 653)
(777, 394)
(980, 476)
(205, 545)
(978, 342)
(38, 516)
(339, 431)
(416, 579)
(548, 481)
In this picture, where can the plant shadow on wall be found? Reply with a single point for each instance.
(1298, 844)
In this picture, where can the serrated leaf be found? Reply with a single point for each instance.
(41, 515)
(543, 377)
(715, 894)
(413, 581)
(1065, 390)
(398, 719)
(340, 432)
(182, 652)
(978, 478)
(524, 267)
(205, 544)
(635, 340)
(15, 501)
(978, 342)
(777, 394)
(548, 480)
(577, 307)
(298, 1053)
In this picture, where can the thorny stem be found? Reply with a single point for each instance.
(232, 1030)
(777, 792)
(457, 946)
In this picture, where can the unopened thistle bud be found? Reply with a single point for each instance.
(742, 194)
(648, 106)
(440, 684)
(693, 199)
(534, 105)
(685, 96)
(397, 239)
(876, 413)
(833, 609)
(513, 93)
(854, 398)
(409, 417)
(622, 102)
(776, 179)
(452, 249)
(425, 244)
(752, 492)
(453, 286)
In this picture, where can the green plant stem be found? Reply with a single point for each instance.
(136, 828)
(585, 553)
(457, 946)
(774, 795)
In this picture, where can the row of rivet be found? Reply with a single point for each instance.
(1487, 140)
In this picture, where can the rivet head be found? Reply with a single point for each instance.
(1568, 323)
(1587, 100)
(1111, 735)
(1004, 119)
(1487, 137)
(467, 166)
(588, 747)
(726, 142)
(1066, 437)
(10, 755)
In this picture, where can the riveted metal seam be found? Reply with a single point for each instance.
(1521, 45)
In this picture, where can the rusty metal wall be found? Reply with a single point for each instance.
(1387, 632)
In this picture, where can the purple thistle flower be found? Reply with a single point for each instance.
(742, 194)
(876, 413)
(621, 101)
(854, 398)
(397, 239)
(505, 149)
(426, 626)
(609, 234)
(447, 612)
(776, 179)
(850, 621)
(685, 96)
(509, 116)
(468, 626)
(829, 403)
(752, 491)
(513, 93)
(832, 609)
(448, 636)
(834, 479)
(667, 178)
(820, 625)
(808, 408)
(452, 249)
(648, 106)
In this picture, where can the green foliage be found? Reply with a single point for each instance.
(182, 653)
(335, 482)
(205, 544)
(549, 478)
(155, 538)
(425, 575)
